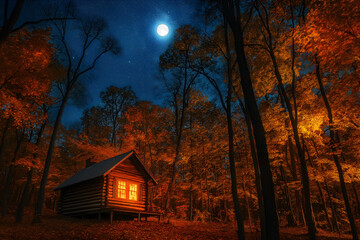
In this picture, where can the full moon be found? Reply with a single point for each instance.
(162, 30)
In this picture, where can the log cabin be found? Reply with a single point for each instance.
(115, 186)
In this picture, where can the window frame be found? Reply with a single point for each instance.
(117, 189)
(127, 189)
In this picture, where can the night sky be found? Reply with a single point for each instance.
(134, 24)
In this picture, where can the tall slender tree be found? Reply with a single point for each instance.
(93, 33)
(233, 17)
(179, 58)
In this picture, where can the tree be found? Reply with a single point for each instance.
(178, 58)
(10, 20)
(233, 18)
(146, 131)
(93, 33)
(26, 77)
(270, 25)
(32, 163)
(116, 101)
(341, 55)
(95, 125)
(227, 107)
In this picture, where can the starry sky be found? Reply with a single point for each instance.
(133, 23)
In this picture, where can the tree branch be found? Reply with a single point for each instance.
(37, 22)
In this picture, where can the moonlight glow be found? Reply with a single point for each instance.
(162, 30)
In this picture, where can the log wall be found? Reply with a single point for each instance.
(83, 197)
(129, 172)
(98, 193)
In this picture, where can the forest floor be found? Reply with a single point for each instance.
(55, 227)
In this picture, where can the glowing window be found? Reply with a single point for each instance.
(133, 192)
(121, 186)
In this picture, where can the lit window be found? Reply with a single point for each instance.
(133, 192)
(121, 189)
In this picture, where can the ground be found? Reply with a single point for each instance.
(55, 227)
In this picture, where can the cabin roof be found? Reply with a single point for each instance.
(101, 169)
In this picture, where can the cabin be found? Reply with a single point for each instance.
(115, 186)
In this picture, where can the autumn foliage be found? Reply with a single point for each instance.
(300, 60)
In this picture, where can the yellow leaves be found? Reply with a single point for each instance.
(274, 118)
(311, 124)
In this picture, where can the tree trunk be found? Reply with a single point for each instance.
(320, 190)
(41, 194)
(179, 125)
(20, 209)
(256, 167)
(225, 205)
(191, 188)
(2, 143)
(293, 171)
(205, 170)
(170, 191)
(31, 193)
(190, 204)
(239, 219)
(293, 120)
(356, 197)
(113, 137)
(332, 206)
(325, 207)
(233, 178)
(247, 205)
(291, 218)
(271, 218)
(9, 176)
(333, 210)
(24, 196)
(303, 168)
(334, 153)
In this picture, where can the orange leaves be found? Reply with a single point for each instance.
(332, 30)
(146, 130)
(84, 150)
(29, 162)
(25, 76)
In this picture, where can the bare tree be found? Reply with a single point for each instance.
(92, 32)
(9, 22)
(10, 19)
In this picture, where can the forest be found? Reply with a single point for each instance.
(259, 126)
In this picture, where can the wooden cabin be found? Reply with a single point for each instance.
(119, 185)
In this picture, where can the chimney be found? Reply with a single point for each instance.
(89, 163)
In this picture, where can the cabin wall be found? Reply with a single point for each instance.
(82, 197)
(128, 172)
